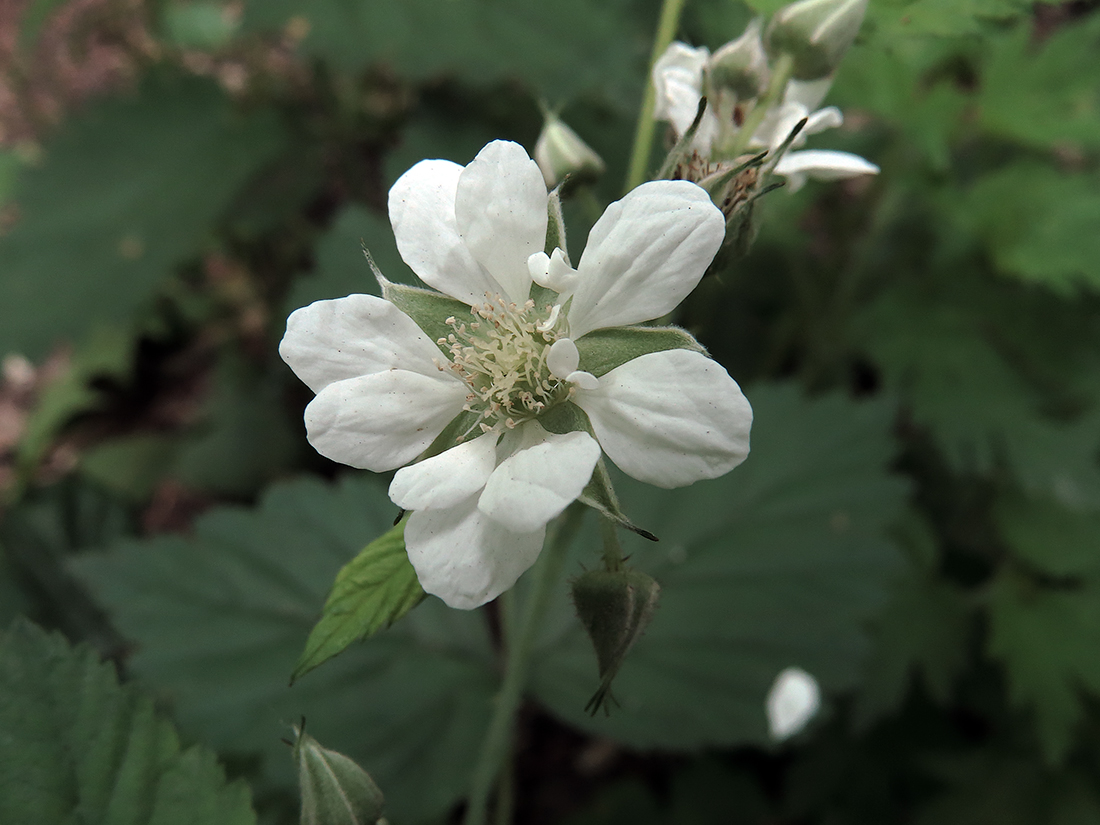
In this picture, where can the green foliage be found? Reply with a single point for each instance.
(779, 563)
(125, 193)
(77, 747)
(220, 619)
(1055, 540)
(604, 349)
(195, 24)
(370, 593)
(562, 49)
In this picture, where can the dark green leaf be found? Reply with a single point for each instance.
(779, 563)
(127, 190)
(221, 617)
(1056, 540)
(371, 592)
(604, 349)
(77, 747)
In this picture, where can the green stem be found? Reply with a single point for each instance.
(497, 743)
(643, 135)
(781, 73)
(612, 550)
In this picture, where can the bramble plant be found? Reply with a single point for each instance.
(439, 412)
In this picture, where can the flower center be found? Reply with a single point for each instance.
(501, 356)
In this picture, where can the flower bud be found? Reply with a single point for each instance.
(335, 790)
(742, 64)
(815, 33)
(560, 152)
(792, 702)
(614, 607)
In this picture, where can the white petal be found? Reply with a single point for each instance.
(500, 207)
(822, 164)
(828, 118)
(465, 557)
(778, 124)
(535, 484)
(793, 701)
(809, 93)
(584, 380)
(553, 271)
(446, 479)
(563, 358)
(382, 421)
(670, 418)
(644, 255)
(677, 77)
(329, 341)
(422, 213)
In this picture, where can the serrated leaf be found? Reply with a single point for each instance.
(778, 563)
(604, 349)
(560, 49)
(371, 592)
(78, 747)
(1054, 539)
(1039, 224)
(127, 190)
(220, 618)
(1047, 640)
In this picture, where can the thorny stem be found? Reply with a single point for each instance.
(774, 94)
(643, 135)
(497, 744)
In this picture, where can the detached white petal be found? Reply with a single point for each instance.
(444, 480)
(500, 209)
(792, 702)
(536, 483)
(645, 255)
(382, 421)
(329, 341)
(466, 558)
(422, 213)
(670, 418)
(822, 164)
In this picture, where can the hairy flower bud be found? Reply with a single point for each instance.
(560, 151)
(335, 790)
(815, 33)
(614, 607)
(742, 64)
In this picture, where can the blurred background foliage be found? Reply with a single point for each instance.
(918, 524)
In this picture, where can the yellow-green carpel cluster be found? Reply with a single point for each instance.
(501, 356)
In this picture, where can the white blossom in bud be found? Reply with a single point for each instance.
(560, 152)
(792, 702)
(386, 390)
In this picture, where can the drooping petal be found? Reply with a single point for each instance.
(379, 422)
(644, 255)
(329, 341)
(466, 558)
(563, 358)
(444, 480)
(552, 271)
(500, 208)
(536, 483)
(670, 418)
(822, 164)
(422, 213)
(828, 118)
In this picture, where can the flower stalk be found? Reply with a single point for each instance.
(497, 744)
(781, 73)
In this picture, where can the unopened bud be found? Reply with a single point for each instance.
(742, 64)
(815, 33)
(560, 151)
(614, 608)
(335, 790)
(792, 702)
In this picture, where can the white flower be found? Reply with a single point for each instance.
(678, 78)
(792, 702)
(386, 390)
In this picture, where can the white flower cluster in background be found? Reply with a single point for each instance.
(683, 74)
(386, 389)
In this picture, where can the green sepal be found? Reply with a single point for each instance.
(370, 593)
(604, 349)
(599, 494)
(682, 150)
(430, 310)
(614, 607)
(335, 790)
(555, 225)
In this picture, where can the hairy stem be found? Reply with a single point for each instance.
(643, 135)
(497, 744)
